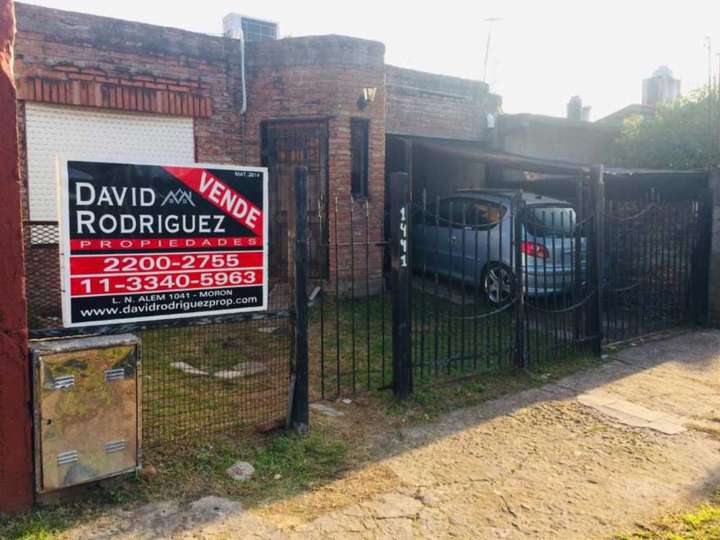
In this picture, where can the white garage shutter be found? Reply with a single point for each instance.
(86, 134)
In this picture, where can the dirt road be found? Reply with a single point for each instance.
(592, 455)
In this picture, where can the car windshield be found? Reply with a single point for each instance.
(550, 220)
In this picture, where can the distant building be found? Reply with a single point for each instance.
(659, 89)
(574, 108)
(662, 87)
(576, 111)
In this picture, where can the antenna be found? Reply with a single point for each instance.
(708, 45)
(491, 21)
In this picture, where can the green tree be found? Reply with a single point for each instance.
(681, 135)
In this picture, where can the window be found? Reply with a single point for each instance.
(483, 213)
(451, 212)
(551, 220)
(471, 213)
(359, 150)
(456, 211)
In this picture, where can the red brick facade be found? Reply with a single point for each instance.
(82, 60)
(16, 492)
(89, 87)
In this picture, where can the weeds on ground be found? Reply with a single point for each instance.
(430, 401)
(700, 524)
(285, 464)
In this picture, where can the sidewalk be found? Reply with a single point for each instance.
(592, 455)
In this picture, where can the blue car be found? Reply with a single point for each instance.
(469, 236)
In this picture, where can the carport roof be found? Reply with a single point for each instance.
(557, 169)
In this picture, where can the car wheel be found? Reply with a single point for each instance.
(498, 284)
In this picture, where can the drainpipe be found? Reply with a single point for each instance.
(243, 107)
(241, 37)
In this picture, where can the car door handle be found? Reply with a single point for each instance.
(453, 238)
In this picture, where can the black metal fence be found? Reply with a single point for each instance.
(42, 262)
(496, 279)
(501, 278)
(350, 309)
(413, 293)
(198, 376)
(463, 287)
(559, 249)
(652, 271)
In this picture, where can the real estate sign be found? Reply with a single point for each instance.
(149, 242)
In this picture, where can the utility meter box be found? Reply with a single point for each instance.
(86, 401)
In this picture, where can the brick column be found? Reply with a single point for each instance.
(16, 492)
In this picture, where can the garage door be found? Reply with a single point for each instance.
(86, 134)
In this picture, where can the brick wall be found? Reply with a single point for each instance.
(89, 61)
(78, 59)
(16, 493)
(429, 105)
(322, 77)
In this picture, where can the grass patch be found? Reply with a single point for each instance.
(465, 361)
(351, 339)
(702, 523)
(285, 464)
(428, 402)
(291, 464)
(176, 403)
(350, 343)
(46, 523)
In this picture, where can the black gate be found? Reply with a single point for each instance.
(489, 279)
(654, 268)
(559, 251)
(350, 312)
(462, 255)
(502, 278)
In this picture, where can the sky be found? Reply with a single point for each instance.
(542, 52)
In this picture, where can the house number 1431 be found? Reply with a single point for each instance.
(403, 237)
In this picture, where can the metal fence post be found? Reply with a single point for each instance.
(400, 204)
(595, 256)
(521, 358)
(713, 242)
(300, 417)
(700, 303)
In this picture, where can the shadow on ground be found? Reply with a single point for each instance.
(536, 463)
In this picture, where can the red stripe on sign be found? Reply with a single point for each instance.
(164, 282)
(172, 262)
(118, 244)
(224, 197)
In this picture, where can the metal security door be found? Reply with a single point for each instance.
(287, 145)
